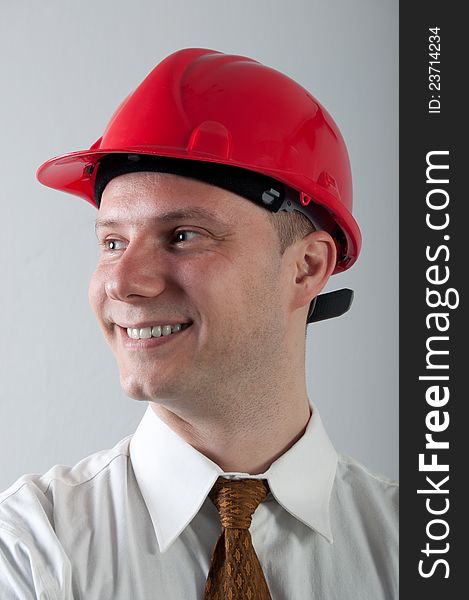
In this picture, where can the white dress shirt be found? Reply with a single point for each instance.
(135, 523)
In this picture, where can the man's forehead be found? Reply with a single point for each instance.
(195, 213)
(166, 198)
(155, 184)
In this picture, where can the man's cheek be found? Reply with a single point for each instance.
(96, 292)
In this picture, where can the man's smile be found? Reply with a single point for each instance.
(151, 336)
(145, 333)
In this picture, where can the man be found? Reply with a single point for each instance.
(224, 198)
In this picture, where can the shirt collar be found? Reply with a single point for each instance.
(175, 478)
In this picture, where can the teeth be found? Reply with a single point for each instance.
(146, 333)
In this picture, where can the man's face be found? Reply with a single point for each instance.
(179, 251)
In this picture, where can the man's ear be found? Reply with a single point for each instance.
(315, 260)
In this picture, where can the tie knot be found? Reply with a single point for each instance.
(237, 499)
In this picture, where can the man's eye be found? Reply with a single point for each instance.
(113, 245)
(184, 235)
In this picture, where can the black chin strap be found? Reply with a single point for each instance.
(332, 304)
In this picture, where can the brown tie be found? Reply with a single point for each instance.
(235, 572)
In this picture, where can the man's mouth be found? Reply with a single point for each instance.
(145, 333)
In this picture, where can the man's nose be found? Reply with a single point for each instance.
(137, 274)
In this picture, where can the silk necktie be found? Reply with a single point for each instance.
(235, 572)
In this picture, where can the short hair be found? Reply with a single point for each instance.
(290, 227)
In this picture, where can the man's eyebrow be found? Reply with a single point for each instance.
(182, 214)
(188, 214)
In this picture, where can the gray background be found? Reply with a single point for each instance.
(64, 68)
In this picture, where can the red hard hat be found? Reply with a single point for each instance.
(204, 105)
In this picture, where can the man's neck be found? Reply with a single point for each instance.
(246, 441)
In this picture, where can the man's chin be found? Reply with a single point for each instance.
(138, 389)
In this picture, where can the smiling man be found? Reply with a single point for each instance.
(191, 292)
(218, 228)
